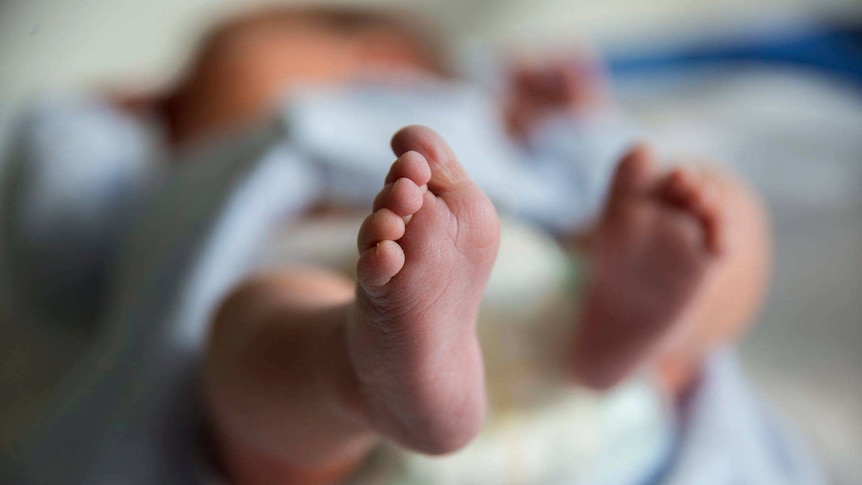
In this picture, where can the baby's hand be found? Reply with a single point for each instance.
(574, 86)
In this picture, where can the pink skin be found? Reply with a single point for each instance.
(656, 248)
(573, 86)
(412, 336)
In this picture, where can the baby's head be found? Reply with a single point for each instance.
(245, 65)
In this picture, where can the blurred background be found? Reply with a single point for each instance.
(773, 88)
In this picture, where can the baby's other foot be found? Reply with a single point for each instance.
(426, 253)
(656, 248)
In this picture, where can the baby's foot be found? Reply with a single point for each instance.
(656, 247)
(426, 254)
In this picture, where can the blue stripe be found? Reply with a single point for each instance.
(834, 50)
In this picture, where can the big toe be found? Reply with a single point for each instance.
(446, 172)
(636, 172)
(701, 198)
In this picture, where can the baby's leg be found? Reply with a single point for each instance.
(680, 264)
(304, 371)
(276, 350)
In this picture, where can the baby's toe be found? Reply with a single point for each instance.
(411, 165)
(380, 226)
(635, 174)
(699, 197)
(680, 188)
(378, 264)
(446, 172)
(710, 209)
(403, 197)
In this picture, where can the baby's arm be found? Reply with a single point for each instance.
(572, 137)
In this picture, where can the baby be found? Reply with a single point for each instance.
(306, 371)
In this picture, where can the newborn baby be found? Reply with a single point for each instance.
(306, 372)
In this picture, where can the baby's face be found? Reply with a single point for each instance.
(243, 73)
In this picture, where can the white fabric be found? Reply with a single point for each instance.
(77, 170)
(729, 435)
(560, 183)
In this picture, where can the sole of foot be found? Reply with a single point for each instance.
(656, 247)
(426, 253)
